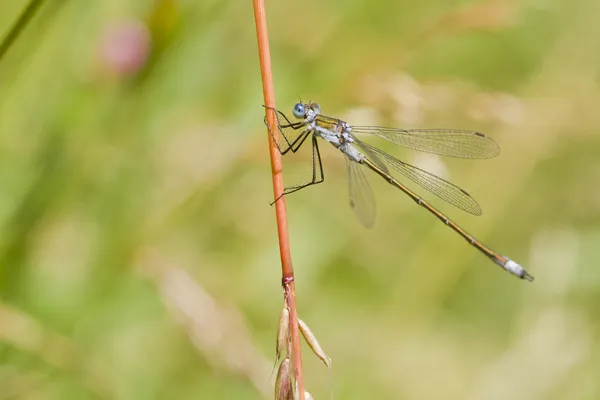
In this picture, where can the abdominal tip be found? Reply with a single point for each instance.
(516, 269)
(527, 277)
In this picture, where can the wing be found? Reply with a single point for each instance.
(372, 156)
(436, 185)
(445, 142)
(362, 200)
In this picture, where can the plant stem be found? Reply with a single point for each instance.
(19, 25)
(278, 186)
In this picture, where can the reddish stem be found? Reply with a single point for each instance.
(278, 186)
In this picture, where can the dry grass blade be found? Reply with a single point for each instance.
(218, 332)
(314, 343)
(283, 383)
(283, 331)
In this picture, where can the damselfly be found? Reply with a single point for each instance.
(446, 142)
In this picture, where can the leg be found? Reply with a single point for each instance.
(298, 142)
(317, 171)
(288, 125)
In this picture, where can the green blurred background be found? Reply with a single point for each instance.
(138, 250)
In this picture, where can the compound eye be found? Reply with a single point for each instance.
(299, 110)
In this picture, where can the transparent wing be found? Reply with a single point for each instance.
(362, 200)
(436, 185)
(373, 157)
(445, 142)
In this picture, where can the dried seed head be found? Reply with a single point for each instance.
(283, 383)
(283, 331)
(313, 343)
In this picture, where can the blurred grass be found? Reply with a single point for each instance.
(123, 166)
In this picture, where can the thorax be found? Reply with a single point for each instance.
(333, 130)
(338, 133)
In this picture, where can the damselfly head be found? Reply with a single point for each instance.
(299, 111)
(308, 110)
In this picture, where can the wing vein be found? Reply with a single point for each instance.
(446, 142)
(434, 184)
